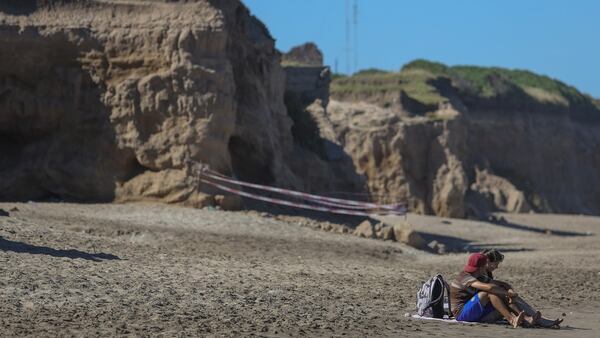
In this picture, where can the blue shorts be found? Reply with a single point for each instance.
(473, 311)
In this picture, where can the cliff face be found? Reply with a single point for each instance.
(468, 140)
(554, 160)
(109, 100)
(104, 100)
(319, 159)
(307, 54)
(405, 159)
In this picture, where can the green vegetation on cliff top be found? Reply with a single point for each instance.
(418, 79)
(414, 82)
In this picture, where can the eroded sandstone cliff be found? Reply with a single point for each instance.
(104, 100)
(110, 100)
(459, 141)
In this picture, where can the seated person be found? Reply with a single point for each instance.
(517, 304)
(475, 299)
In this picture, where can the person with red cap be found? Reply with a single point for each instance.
(517, 304)
(475, 299)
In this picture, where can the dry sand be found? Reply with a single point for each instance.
(156, 270)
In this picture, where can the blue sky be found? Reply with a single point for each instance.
(560, 39)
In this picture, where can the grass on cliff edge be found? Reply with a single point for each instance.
(416, 80)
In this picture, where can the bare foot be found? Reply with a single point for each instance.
(535, 319)
(516, 321)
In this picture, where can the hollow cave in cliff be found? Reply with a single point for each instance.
(54, 123)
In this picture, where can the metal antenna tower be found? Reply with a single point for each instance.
(355, 34)
(347, 46)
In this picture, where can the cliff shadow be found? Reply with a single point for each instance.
(18, 7)
(20, 247)
(56, 137)
(324, 168)
(247, 167)
(340, 181)
(248, 164)
(26, 7)
(305, 129)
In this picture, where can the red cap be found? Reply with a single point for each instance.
(476, 261)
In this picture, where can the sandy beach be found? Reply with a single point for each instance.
(155, 270)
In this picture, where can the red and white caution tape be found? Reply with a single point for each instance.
(298, 205)
(397, 208)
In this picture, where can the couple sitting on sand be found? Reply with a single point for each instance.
(477, 297)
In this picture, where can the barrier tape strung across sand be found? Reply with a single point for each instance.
(301, 205)
(335, 202)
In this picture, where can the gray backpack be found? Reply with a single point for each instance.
(433, 300)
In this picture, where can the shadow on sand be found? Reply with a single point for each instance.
(19, 247)
(456, 244)
(501, 221)
(279, 210)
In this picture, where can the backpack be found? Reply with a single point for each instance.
(433, 300)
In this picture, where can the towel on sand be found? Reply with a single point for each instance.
(448, 320)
